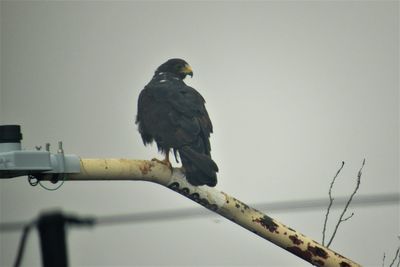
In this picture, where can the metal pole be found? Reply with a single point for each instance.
(215, 200)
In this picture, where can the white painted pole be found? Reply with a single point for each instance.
(215, 200)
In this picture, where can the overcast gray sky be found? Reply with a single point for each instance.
(292, 88)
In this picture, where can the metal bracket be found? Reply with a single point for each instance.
(17, 162)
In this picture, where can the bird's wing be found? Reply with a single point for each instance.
(191, 116)
(142, 118)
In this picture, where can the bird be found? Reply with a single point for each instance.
(173, 115)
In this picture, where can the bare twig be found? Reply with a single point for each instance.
(398, 262)
(347, 205)
(396, 257)
(330, 202)
(348, 217)
(383, 260)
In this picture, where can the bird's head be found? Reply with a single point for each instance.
(176, 66)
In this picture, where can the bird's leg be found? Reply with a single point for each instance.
(165, 161)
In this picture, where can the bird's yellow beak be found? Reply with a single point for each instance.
(187, 70)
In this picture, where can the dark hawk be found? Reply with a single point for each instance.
(174, 116)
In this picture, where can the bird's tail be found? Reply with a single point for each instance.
(200, 169)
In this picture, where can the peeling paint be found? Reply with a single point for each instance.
(246, 207)
(317, 251)
(304, 254)
(145, 167)
(310, 252)
(295, 239)
(267, 222)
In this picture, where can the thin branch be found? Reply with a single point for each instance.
(347, 204)
(345, 219)
(330, 202)
(398, 262)
(396, 257)
(216, 201)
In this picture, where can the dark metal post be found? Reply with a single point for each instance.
(51, 228)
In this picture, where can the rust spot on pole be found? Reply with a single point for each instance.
(310, 252)
(240, 203)
(304, 254)
(317, 251)
(267, 222)
(145, 167)
(295, 239)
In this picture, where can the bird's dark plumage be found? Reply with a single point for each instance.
(174, 116)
